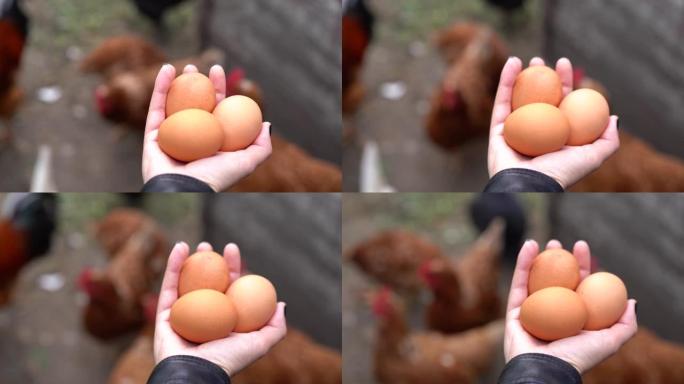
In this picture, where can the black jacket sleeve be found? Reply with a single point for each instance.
(522, 180)
(537, 368)
(172, 182)
(187, 370)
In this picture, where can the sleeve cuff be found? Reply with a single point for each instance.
(184, 369)
(522, 180)
(172, 182)
(538, 368)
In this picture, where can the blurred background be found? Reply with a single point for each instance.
(391, 241)
(76, 76)
(60, 322)
(419, 79)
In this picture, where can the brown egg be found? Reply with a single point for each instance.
(553, 313)
(588, 113)
(538, 84)
(190, 135)
(241, 120)
(204, 270)
(536, 129)
(190, 91)
(553, 268)
(605, 296)
(255, 300)
(203, 315)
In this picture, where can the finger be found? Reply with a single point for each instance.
(518, 292)
(583, 255)
(218, 77)
(261, 149)
(190, 69)
(564, 71)
(276, 328)
(152, 154)
(606, 145)
(554, 244)
(157, 110)
(169, 288)
(232, 255)
(205, 247)
(537, 61)
(626, 327)
(502, 102)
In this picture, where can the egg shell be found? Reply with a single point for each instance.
(241, 120)
(605, 297)
(203, 315)
(553, 268)
(553, 313)
(204, 270)
(536, 129)
(255, 299)
(190, 91)
(537, 84)
(588, 113)
(190, 135)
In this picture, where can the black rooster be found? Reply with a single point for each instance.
(155, 9)
(488, 206)
(27, 223)
(357, 31)
(14, 26)
(507, 5)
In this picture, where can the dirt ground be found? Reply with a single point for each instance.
(444, 219)
(43, 340)
(402, 52)
(89, 153)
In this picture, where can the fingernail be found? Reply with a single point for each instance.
(618, 122)
(285, 310)
(636, 308)
(270, 129)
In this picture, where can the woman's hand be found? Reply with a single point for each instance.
(566, 166)
(582, 351)
(219, 171)
(233, 353)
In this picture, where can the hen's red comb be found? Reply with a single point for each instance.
(84, 279)
(577, 76)
(234, 78)
(381, 302)
(424, 273)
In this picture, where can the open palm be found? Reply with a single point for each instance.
(232, 353)
(219, 171)
(582, 351)
(566, 166)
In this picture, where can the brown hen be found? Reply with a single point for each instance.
(462, 104)
(122, 54)
(466, 291)
(394, 257)
(297, 359)
(119, 294)
(403, 356)
(644, 359)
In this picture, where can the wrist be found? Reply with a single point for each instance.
(539, 367)
(176, 182)
(187, 368)
(522, 180)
